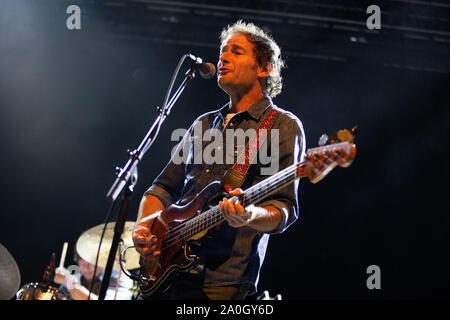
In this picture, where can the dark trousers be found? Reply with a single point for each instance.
(180, 290)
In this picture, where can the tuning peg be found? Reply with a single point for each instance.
(323, 140)
(354, 130)
(132, 153)
(345, 135)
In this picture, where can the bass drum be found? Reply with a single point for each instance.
(38, 291)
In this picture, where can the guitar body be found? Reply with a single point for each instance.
(176, 254)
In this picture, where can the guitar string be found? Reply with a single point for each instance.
(179, 230)
(201, 221)
(250, 190)
(174, 238)
(248, 195)
(282, 175)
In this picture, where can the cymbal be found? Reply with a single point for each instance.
(88, 242)
(9, 275)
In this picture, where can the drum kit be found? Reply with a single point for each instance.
(87, 247)
(9, 274)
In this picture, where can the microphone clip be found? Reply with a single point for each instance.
(206, 69)
(195, 60)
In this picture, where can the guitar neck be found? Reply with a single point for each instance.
(214, 216)
(319, 162)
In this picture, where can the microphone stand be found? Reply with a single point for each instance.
(127, 176)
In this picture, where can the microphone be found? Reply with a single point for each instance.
(206, 69)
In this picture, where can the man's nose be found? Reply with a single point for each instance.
(223, 59)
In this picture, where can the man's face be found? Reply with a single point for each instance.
(87, 269)
(237, 69)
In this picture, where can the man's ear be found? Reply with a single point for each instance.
(265, 71)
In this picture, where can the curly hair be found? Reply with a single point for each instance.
(265, 50)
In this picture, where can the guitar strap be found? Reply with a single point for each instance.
(235, 176)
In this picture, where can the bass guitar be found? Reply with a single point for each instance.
(183, 224)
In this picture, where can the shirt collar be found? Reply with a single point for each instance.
(255, 111)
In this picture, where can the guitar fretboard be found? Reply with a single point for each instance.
(319, 168)
(259, 191)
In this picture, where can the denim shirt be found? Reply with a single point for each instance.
(233, 255)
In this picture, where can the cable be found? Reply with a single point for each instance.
(166, 98)
(108, 215)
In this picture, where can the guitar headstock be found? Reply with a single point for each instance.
(319, 161)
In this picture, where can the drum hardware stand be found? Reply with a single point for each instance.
(118, 278)
(49, 272)
(127, 176)
(44, 289)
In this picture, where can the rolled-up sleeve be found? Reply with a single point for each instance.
(167, 187)
(291, 150)
(160, 192)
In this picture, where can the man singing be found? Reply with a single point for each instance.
(248, 70)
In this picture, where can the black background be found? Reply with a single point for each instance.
(73, 101)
